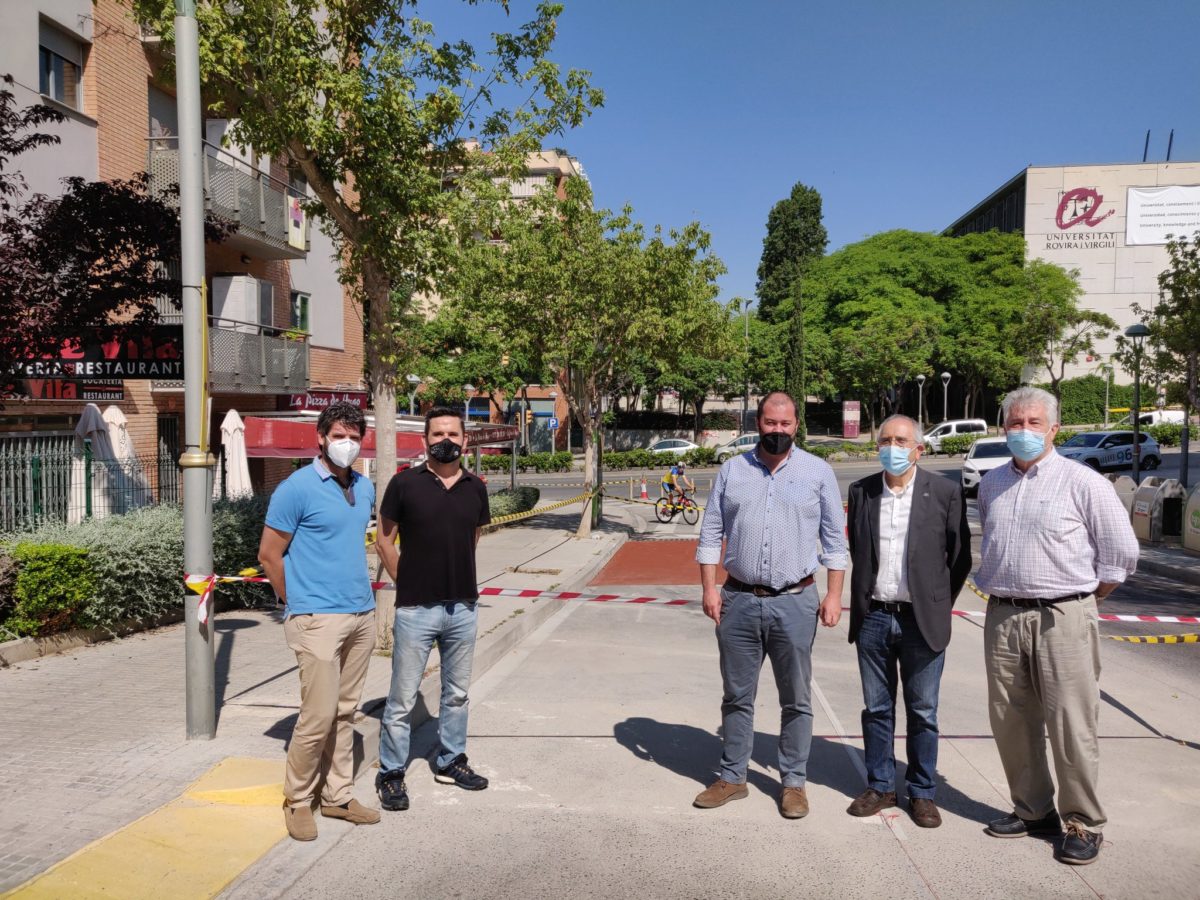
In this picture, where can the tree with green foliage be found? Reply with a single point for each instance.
(377, 113)
(712, 361)
(582, 291)
(1059, 330)
(795, 237)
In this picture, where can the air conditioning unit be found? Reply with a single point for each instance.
(242, 302)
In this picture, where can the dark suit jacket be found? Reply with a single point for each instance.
(939, 551)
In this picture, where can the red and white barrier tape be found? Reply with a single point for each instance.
(203, 585)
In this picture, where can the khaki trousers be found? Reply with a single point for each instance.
(333, 650)
(1043, 671)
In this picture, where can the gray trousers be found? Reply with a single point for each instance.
(1043, 671)
(751, 629)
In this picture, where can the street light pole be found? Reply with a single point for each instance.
(1137, 333)
(414, 382)
(921, 400)
(746, 395)
(945, 396)
(196, 461)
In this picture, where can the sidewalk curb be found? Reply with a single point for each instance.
(1165, 570)
(508, 634)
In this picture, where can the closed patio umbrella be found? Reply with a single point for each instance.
(130, 487)
(237, 466)
(94, 430)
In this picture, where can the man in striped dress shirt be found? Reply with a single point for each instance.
(780, 512)
(1056, 541)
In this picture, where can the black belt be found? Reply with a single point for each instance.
(1037, 602)
(762, 590)
(892, 606)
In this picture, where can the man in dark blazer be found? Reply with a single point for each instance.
(910, 552)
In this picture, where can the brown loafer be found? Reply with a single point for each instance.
(300, 822)
(353, 812)
(793, 803)
(719, 793)
(870, 802)
(924, 812)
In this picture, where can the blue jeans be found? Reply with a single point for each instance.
(416, 629)
(782, 628)
(890, 645)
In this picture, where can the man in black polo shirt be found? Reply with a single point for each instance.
(438, 508)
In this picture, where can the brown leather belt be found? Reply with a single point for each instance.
(762, 590)
(1037, 602)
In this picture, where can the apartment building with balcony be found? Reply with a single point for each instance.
(281, 324)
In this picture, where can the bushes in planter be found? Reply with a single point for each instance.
(135, 562)
(507, 502)
(53, 586)
(958, 443)
(537, 462)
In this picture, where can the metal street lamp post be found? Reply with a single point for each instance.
(945, 395)
(1137, 333)
(921, 400)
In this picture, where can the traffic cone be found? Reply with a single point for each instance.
(645, 496)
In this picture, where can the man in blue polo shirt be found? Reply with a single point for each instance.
(314, 553)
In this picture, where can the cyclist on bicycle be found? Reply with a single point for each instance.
(675, 483)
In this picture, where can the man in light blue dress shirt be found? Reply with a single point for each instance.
(779, 511)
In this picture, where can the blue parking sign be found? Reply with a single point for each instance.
(553, 423)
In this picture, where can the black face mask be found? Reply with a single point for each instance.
(446, 451)
(776, 442)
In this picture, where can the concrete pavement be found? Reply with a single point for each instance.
(94, 739)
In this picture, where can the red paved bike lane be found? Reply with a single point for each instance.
(654, 562)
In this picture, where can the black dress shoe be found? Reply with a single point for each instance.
(1080, 846)
(1013, 826)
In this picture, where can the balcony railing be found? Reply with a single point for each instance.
(245, 358)
(270, 223)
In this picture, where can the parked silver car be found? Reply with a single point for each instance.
(1111, 450)
(739, 444)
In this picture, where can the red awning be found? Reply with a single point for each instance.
(294, 438)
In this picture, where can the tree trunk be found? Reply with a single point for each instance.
(377, 290)
(698, 419)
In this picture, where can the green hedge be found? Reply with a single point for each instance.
(958, 443)
(8, 586)
(561, 461)
(649, 420)
(1167, 434)
(507, 502)
(1081, 400)
(54, 584)
(135, 561)
(847, 449)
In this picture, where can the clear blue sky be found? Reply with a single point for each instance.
(902, 114)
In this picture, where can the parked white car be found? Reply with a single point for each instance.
(738, 445)
(985, 454)
(678, 446)
(1158, 417)
(952, 428)
(1111, 450)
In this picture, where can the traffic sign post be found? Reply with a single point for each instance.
(553, 424)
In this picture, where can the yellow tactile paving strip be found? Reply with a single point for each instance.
(192, 847)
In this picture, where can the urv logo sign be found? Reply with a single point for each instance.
(1081, 205)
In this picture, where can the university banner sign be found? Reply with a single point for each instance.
(113, 353)
(1158, 213)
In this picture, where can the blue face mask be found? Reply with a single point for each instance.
(1026, 445)
(894, 460)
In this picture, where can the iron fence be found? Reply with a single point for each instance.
(45, 478)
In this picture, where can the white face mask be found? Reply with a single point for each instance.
(343, 452)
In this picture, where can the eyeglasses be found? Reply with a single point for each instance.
(902, 442)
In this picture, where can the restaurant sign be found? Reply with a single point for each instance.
(97, 390)
(315, 401)
(112, 352)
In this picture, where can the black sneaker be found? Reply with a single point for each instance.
(1080, 846)
(1013, 826)
(458, 772)
(393, 792)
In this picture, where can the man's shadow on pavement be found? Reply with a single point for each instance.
(695, 753)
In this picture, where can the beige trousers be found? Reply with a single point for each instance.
(1043, 671)
(333, 650)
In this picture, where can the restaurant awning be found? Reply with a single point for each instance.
(295, 437)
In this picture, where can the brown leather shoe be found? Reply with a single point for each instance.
(924, 812)
(793, 803)
(300, 822)
(870, 802)
(719, 793)
(353, 812)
